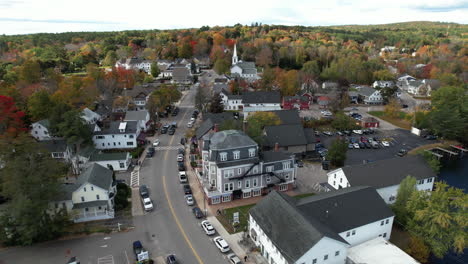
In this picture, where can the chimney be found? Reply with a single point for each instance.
(276, 147)
(215, 127)
(244, 126)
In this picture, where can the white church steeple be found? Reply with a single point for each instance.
(235, 60)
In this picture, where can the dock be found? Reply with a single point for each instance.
(439, 156)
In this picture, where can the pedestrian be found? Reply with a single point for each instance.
(245, 258)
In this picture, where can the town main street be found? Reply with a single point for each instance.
(170, 229)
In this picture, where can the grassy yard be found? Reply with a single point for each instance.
(399, 122)
(304, 195)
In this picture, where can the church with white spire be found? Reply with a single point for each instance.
(243, 69)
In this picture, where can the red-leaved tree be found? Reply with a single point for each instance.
(11, 118)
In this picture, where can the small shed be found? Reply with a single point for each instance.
(323, 101)
(370, 122)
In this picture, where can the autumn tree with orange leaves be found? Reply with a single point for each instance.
(11, 118)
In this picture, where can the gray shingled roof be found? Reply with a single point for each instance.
(261, 97)
(310, 135)
(366, 91)
(288, 117)
(96, 175)
(209, 120)
(55, 145)
(65, 192)
(246, 65)
(114, 128)
(230, 139)
(108, 156)
(388, 172)
(180, 73)
(285, 135)
(298, 234)
(136, 115)
(346, 208)
(271, 156)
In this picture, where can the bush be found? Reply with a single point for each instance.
(136, 153)
(121, 199)
(193, 164)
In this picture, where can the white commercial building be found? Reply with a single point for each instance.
(119, 135)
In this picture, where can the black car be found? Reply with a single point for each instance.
(361, 145)
(164, 129)
(431, 137)
(174, 113)
(181, 151)
(171, 131)
(150, 152)
(299, 163)
(404, 106)
(187, 189)
(402, 152)
(137, 248)
(180, 165)
(171, 259)
(197, 212)
(144, 192)
(368, 145)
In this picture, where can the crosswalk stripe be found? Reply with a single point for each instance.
(106, 260)
(167, 148)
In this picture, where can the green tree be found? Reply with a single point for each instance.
(337, 152)
(155, 71)
(405, 190)
(221, 66)
(383, 75)
(392, 109)
(56, 117)
(418, 249)
(257, 121)
(216, 104)
(343, 122)
(433, 162)
(185, 50)
(40, 105)
(231, 124)
(30, 72)
(110, 59)
(388, 93)
(439, 218)
(161, 98)
(311, 68)
(30, 180)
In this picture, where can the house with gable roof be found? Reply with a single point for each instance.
(135, 64)
(89, 116)
(319, 228)
(369, 95)
(40, 130)
(117, 135)
(117, 161)
(243, 69)
(141, 116)
(90, 198)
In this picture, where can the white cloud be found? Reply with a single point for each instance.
(32, 16)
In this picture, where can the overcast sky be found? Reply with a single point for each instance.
(33, 16)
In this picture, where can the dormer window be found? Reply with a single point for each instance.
(236, 154)
(286, 165)
(252, 152)
(223, 156)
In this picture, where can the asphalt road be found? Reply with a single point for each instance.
(170, 229)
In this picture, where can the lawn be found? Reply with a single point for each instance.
(399, 122)
(304, 195)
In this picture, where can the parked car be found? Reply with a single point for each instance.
(180, 157)
(147, 204)
(189, 199)
(350, 146)
(385, 144)
(402, 152)
(317, 133)
(361, 145)
(221, 244)
(357, 131)
(431, 137)
(197, 212)
(183, 177)
(356, 145)
(144, 192)
(375, 144)
(171, 259)
(150, 152)
(347, 132)
(140, 253)
(181, 151)
(208, 228)
(187, 189)
(164, 129)
(234, 259)
(328, 133)
(171, 131)
(339, 133)
(368, 145)
(190, 124)
(156, 143)
(180, 166)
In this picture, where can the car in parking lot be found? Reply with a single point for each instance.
(208, 228)
(402, 152)
(339, 133)
(164, 129)
(385, 144)
(430, 137)
(171, 259)
(221, 244)
(197, 212)
(350, 146)
(189, 199)
(156, 143)
(368, 145)
(375, 144)
(187, 189)
(234, 259)
(357, 131)
(356, 145)
(361, 145)
(180, 157)
(328, 133)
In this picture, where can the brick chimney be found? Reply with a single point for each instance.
(215, 128)
(276, 147)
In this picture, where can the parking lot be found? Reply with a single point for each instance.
(398, 139)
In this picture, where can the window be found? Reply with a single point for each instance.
(384, 234)
(392, 198)
(255, 182)
(283, 187)
(334, 175)
(341, 180)
(97, 196)
(239, 184)
(114, 144)
(226, 198)
(86, 209)
(103, 144)
(347, 234)
(100, 137)
(64, 206)
(236, 154)
(268, 179)
(56, 205)
(100, 208)
(113, 136)
(92, 188)
(247, 183)
(247, 194)
(353, 232)
(215, 200)
(239, 171)
(429, 180)
(255, 169)
(286, 165)
(334, 183)
(35, 132)
(223, 156)
(257, 192)
(121, 165)
(382, 223)
(269, 168)
(386, 221)
(252, 152)
(314, 261)
(337, 253)
(129, 143)
(82, 198)
(420, 181)
(325, 257)
(212, 169)
(84, 189)
(131, 136)
(228, 173)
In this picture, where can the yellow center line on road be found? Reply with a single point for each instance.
(172, 208)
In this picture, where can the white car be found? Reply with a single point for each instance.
(190, 124)
(356, 145)
(221, 244)
(234, 259)
(189, 199)
(147, 204)
(156, 143)
(180, 157)
(183, 177)
(208, 228)
(385, 144)
(192, 119)
(359, 132)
